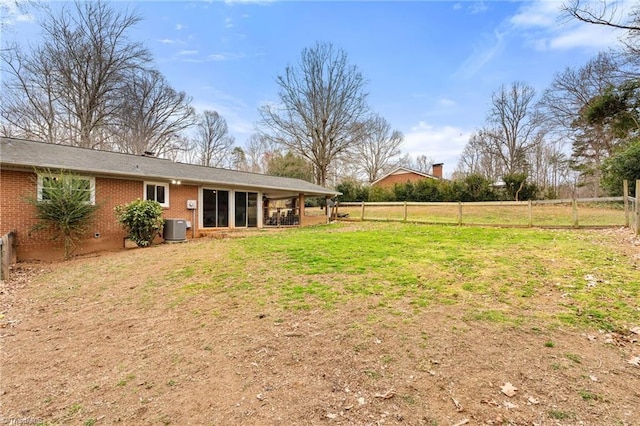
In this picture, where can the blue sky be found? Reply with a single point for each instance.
(431, 66)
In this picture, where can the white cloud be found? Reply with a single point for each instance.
(232, 108)
(537, 14)
(477, 7)
(187, 52)
(447, 103)
(225, 56)
(481, 55)
(231, 2)
(457, 6)
(443, 143)
(228, 23)
(181, 27)
(592, 36)
(10, 13)
(543, 27)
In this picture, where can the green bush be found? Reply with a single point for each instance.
(352, 190)
(380, 194)
(624, 164)
(64, 208)
(142, 220)
(517, 188)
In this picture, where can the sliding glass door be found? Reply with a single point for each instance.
(215, 208)
(246, 209)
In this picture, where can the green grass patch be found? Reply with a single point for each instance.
(560, 415)
(504, 276)
(589, 396)
(497, 271)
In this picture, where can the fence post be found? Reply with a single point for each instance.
(405, 211)
(625, 196)
(575, 213)
(7, 254)
(4, 267)
(459, 213)
(362, 213)
(530, 207)
(637, 194)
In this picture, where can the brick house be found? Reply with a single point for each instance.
(208, 199)
(404, 175)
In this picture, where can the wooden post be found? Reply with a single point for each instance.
(530, 207)
(7, 254)
(625, 195)
(575, 213)
(459, 213)
(301, 209)
(327, 209)
(362, 214)
(405, 211)
(637, 207)
(4, 263)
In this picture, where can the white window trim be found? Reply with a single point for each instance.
(92, 184)
(166, 191)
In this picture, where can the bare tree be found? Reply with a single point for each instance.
(259, 151)
(420, 163)
(322, 100)
(609, 14)
(602, 13)
(514, 126)
(549, 167)
(68, 85)
(213, 141)
(239, 159)
(563, 103)
(378, 147)
(477, 159)
(28, 107)
(151, 116)
(424, 164)
(572, 89)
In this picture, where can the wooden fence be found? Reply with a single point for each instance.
(7, 254)
(631, 206)
(599, 212)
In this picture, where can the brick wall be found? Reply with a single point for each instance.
(104, 234)
(16, 214)
(391, 180)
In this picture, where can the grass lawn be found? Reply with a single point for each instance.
(543, 215)
(352, 323)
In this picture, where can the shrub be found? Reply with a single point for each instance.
(517, 188)
(624, 164)
(380, 194)
(352, 190)
(142, 220)
(65, 209)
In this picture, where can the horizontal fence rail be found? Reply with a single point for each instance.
(599, 212)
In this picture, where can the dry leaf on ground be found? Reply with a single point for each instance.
(508, 389)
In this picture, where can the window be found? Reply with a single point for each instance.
(157, 192)
(82, 184)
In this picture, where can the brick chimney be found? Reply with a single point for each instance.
(436, 170)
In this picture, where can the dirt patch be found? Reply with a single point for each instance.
(119, 351)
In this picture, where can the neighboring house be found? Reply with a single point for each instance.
(404, 175)
(211, 199)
